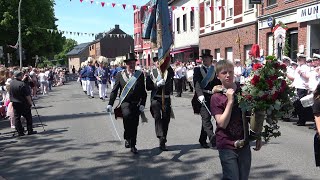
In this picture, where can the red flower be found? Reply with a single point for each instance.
(257, 66)
(264, 97)
(249, 97)
(283, 85)
(274, 77)
(276, 65)
(283, 67)
(270, 83)
(255, 80)
(275, 96)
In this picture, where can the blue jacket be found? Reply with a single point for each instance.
(83, 74)
(103, 73)
(89, 70)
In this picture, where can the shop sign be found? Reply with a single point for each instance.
(308, 13)
(255, 1)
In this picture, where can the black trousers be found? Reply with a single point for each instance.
(161, 117)
(206, 127)
(130, 112)
(178, 83)
(304, 114)
(19, 110)
(184, 83)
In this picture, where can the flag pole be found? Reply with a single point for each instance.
(238, 39)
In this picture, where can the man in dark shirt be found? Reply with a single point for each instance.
(21, 101)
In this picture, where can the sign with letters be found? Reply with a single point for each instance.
(255, 1)
(308, 13)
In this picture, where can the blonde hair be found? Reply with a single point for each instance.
(223, 64)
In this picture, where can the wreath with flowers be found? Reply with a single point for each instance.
(267, 89)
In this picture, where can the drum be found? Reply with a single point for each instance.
(307, 101)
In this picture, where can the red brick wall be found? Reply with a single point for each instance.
(237, 7)
(201, 15)
(212, 12)
(302, 35)
(223, 11)
(282, 5)
(226, 39)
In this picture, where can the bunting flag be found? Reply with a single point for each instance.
(145, 7)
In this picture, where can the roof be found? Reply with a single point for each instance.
(78, 49)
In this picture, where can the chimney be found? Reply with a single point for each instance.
(117, 26)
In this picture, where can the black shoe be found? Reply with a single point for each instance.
(85, 92)
(163, 147)
(91, 97)
(134, 150)
(101, 98)
(32, 132)
(126, 144)
(213, 141)
(286, 119)
(106, 97)
(300, 124)
(179, 95)
(21, 134)
(204, 145)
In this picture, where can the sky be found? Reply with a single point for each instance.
(74, 16)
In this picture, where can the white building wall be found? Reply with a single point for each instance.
(190, 36)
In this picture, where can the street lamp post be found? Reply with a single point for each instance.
(19, 26)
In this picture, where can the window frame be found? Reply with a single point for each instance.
(178, 25)
(192, 22)
(207, 13)
(269, 4)
(184, 23)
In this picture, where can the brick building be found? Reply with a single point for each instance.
(222, 21)
(303, 26)
(142, 47)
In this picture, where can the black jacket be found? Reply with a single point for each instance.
(152, 86)
(136, 94)
(197, 78)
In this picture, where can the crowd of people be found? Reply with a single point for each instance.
(35, 82)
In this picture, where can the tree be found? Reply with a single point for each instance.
(36, 17)
(68, 45)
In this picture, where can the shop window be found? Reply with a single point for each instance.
(229, 54)
(270, 44)
(184, 22)
(191, 20)
(178, 25)
(271, 2)
(248, 6)
(293, 43)
(217, 53)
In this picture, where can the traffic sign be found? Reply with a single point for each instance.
(270, 21)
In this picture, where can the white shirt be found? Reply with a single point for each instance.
(178, 73)
(42, 77)
(300, 82)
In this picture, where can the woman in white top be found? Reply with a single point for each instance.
(43, 79)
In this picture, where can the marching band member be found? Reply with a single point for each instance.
(89, 70)
(101, 75)
(161, 114)
(132, 99)
(83, 77)
(204, 79)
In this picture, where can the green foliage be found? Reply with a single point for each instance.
(271, 58)
(68, 45)
(286, 47)
(36, 17)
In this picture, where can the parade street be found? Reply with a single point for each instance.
(79, 143)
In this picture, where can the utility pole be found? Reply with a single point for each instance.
(19, 26)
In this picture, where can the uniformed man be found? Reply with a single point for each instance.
(204, 79)
(160, 111)
(102, 75)
(132, 99)
(20, 96)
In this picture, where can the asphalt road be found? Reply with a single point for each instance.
(79, 143)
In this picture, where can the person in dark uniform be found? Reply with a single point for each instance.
(161, 114)
(204, 79)
(20, 96)
(133, 103)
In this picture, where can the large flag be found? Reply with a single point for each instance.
(157, 28)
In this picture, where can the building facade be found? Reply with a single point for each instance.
(185, 26)
(142, 47)
(301, 18)
(77, 55)
(228, 28)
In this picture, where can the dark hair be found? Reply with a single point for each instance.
(316, 94)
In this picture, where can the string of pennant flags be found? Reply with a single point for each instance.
(87, 34)
(145, 7)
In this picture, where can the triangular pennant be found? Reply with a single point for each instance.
(78, 33)
(81, 34)
(134, 7)
(85, 33)
(192, 8)
(172, 7)
(67, 32)
(55, 31)
(74, 33)
(48, 30)
(125, 35)
(102, 4)
(62, 32)
(113, 4)
(118, 35)
(211, 8)
(182, 8)
(91, 1)
(81, 0)
(219, 8)
(92, 34)
(124, 6)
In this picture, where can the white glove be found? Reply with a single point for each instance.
(109, 108)
(201, 98)
(141, 108)
(161, 83)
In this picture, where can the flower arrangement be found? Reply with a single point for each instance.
(267, 90)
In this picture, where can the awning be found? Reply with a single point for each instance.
(182, 50)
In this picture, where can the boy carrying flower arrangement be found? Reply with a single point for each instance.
(234, 150)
